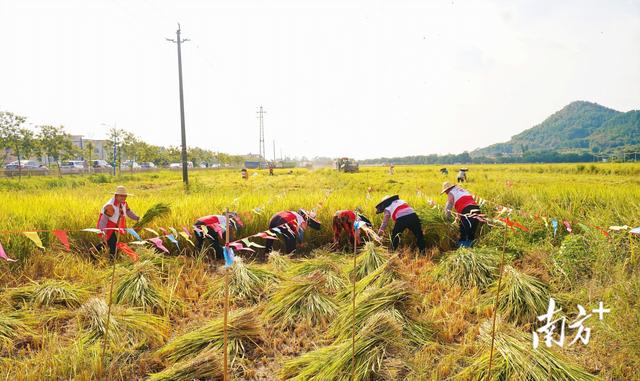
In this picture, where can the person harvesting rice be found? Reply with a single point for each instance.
(112, 218)
(292, 226)
(216, 228)
(405, 218)
(465, 206)
(343, 221)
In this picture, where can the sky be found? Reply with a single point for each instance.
(363, 79)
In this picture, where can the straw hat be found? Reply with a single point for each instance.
(122, 191)
(386, 201)
(446, 186)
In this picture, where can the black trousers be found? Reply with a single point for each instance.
(289, 239)
(468, 225)
(111, 243)
(212, 240)
(411, 222)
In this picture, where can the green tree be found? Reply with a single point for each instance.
(19, 139)
(55, 143)
(115, 138)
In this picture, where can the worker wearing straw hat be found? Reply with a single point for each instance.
(216, 229)
(465, 206)
(113, 217)
(405, 218)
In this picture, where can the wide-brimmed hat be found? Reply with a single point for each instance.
(310, 217)
(122, 191)
(446, 186)
(386, 201)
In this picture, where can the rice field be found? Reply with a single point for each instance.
(417, 317)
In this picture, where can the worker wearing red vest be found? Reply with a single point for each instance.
(296, 222)
(465, 206)
(405, 218)
(343, 222)
(112, 218)
(216, 229)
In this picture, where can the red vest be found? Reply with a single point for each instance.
(348, 214)
(291, 218)
(461, 198)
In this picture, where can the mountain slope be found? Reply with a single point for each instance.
(578, 126)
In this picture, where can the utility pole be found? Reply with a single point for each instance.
(178, 41)
(274, 151)
(261, 112)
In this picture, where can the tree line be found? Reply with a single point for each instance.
(55, 145)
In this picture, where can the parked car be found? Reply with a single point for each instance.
(147, 165)
(28, 167)
(130, 164)
(179, 165)
(72, 164)
(24, 164)
(100, 164)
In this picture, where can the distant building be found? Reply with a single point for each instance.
(99, 151)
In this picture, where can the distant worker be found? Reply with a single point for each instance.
(244, 173)
(270, 169)
(216, 229)
(113, 218)
(462, 175)
(391, 169)
(405, 218)
(343, 221)
(292, 226)
(444, 171)
(465, 206)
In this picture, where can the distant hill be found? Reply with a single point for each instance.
(578, 127)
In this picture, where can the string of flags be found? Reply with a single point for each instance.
(503, 218)
(509, 222)
(170, 234)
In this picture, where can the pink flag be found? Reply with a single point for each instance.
(62, 237)
(265, 236)
(236, 245)
(568, 226)
(186, 231)
(3, 255)
(159, 245)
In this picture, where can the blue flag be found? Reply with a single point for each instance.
(228, 256)
(173, 239)
(358, 224)
(134, 234)
(554, 223)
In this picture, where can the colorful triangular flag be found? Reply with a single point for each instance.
(173, 239)
(158, 243)
(134, 234)
(228, 256)
(62, 237)
(152, 231)
(127, 250)
(33, 236)
(4, 256)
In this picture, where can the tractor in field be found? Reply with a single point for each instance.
(347, 165)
